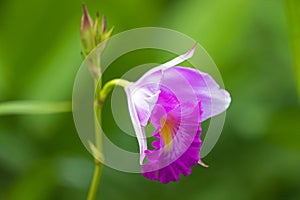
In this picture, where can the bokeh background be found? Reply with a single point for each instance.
(257, 156)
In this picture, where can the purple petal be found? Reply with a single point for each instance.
(166, 166)
(172, 171)
(214, 100)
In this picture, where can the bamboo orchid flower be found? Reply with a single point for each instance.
(175, 100)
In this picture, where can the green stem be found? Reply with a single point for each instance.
(293, 19)
(99, 101)
(98, 138)
(34, 107)
(95, 182)
(109, 86)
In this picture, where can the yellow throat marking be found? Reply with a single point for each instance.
(167, 131)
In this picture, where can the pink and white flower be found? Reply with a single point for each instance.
(175, 100)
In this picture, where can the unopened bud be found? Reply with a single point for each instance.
(86, 31)
(104, 24)
(93, 33)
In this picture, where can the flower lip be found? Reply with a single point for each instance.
(166, 165)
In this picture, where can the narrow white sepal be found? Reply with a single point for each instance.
(202, 164)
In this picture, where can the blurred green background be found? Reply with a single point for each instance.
(257, 156)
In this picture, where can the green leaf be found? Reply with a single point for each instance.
(34, 107)
(293, 19)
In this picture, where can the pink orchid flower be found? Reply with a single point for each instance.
(175, 100)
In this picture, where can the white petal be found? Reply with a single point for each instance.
(180, 58)
(155, 74)
(140, 134)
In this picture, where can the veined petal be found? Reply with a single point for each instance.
(196, 86)
(214, 100)
(166, 165)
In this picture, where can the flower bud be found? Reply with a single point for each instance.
(86, 31)
(104, 24)
(93, 32)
